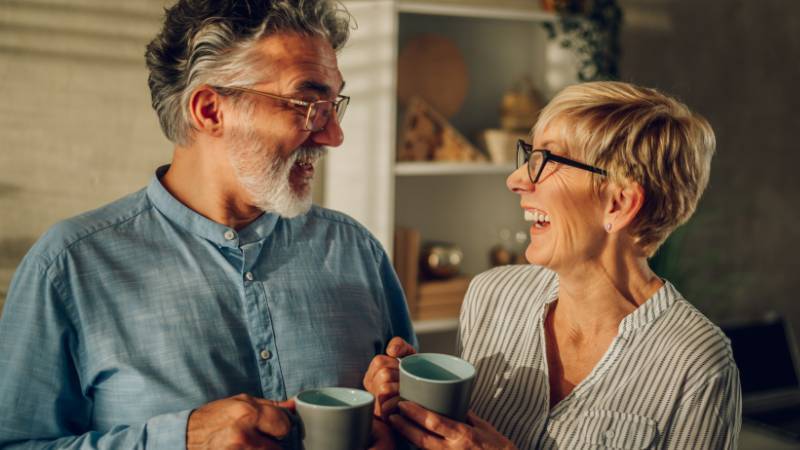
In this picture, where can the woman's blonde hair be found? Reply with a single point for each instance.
(641, 135)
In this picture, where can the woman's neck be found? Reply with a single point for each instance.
(595, 296)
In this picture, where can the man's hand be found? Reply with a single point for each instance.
(382, 379)
(432, 431)
(240, 422)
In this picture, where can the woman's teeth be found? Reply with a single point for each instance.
(540, 219)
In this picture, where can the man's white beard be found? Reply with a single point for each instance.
(265, 175)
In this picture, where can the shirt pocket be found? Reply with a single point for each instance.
(618, 430)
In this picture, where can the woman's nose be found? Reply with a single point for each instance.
(519, 181)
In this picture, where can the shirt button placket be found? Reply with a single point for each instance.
(249, 276)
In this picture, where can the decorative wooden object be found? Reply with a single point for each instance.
(426, 299)
(427, 136)
(407, 242)
(431, 66)
(440, 299)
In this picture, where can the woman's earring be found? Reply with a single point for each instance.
(608, 227)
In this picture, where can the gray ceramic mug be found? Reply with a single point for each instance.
(335, 418)
(441, 383)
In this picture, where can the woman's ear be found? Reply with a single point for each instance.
(206, 112)
(623, 203)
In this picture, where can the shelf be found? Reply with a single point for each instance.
(478, 11)
(435, 325)
(451, 168)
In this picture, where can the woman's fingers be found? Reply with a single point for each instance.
(389, 406)
(415, 434)
(378, 365)
(399, 348)
(477, 422)
(382, 438)
(431, 421)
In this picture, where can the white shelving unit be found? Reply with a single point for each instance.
(448, 168)
(455, 202)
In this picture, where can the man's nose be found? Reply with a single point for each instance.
(519, 181)
(330, 136)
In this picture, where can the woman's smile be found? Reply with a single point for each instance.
(539, 218)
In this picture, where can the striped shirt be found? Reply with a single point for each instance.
(668, 380)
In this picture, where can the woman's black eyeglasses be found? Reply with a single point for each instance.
(537, 159)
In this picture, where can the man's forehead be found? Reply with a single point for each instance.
(295, 58)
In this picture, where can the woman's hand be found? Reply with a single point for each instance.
(382, 438)
(382, 379)
(429, 430)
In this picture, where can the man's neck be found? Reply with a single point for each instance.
(208, 187)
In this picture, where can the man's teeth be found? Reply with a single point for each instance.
(305, 162)
(537, 217)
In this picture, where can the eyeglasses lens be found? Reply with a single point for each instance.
(320, 113)
(535, 165)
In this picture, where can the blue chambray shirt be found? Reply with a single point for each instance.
(122, 320)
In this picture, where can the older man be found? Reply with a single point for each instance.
(137, 324)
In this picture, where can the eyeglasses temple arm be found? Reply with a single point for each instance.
(577, 164)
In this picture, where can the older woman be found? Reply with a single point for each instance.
(587, 347)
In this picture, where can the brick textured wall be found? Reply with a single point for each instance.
(76, 126)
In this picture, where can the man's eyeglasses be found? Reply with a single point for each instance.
(318, 112)
(537, 159)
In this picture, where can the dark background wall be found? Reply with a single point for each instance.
(737, 62)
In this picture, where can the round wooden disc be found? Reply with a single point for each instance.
(431, 66)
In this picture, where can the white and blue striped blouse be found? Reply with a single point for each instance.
(668, 380)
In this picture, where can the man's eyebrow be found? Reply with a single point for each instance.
(321, 88)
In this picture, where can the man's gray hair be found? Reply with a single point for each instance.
(210, 42)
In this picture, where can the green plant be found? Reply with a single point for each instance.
(591, 29)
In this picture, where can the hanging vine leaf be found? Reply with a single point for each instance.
(591, 29)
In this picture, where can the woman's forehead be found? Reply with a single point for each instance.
(551, 136)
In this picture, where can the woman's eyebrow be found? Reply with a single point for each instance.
(547, 144)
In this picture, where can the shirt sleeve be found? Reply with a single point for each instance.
(397, 308)
(43, 402)
(711, 417)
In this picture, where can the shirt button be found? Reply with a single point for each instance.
(229, 235)
(265, 354)
(249, 276)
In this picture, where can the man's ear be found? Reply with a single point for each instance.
(623, 203)
(206, 112)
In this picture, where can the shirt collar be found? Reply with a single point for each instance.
(199, 225)
(651, 309)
